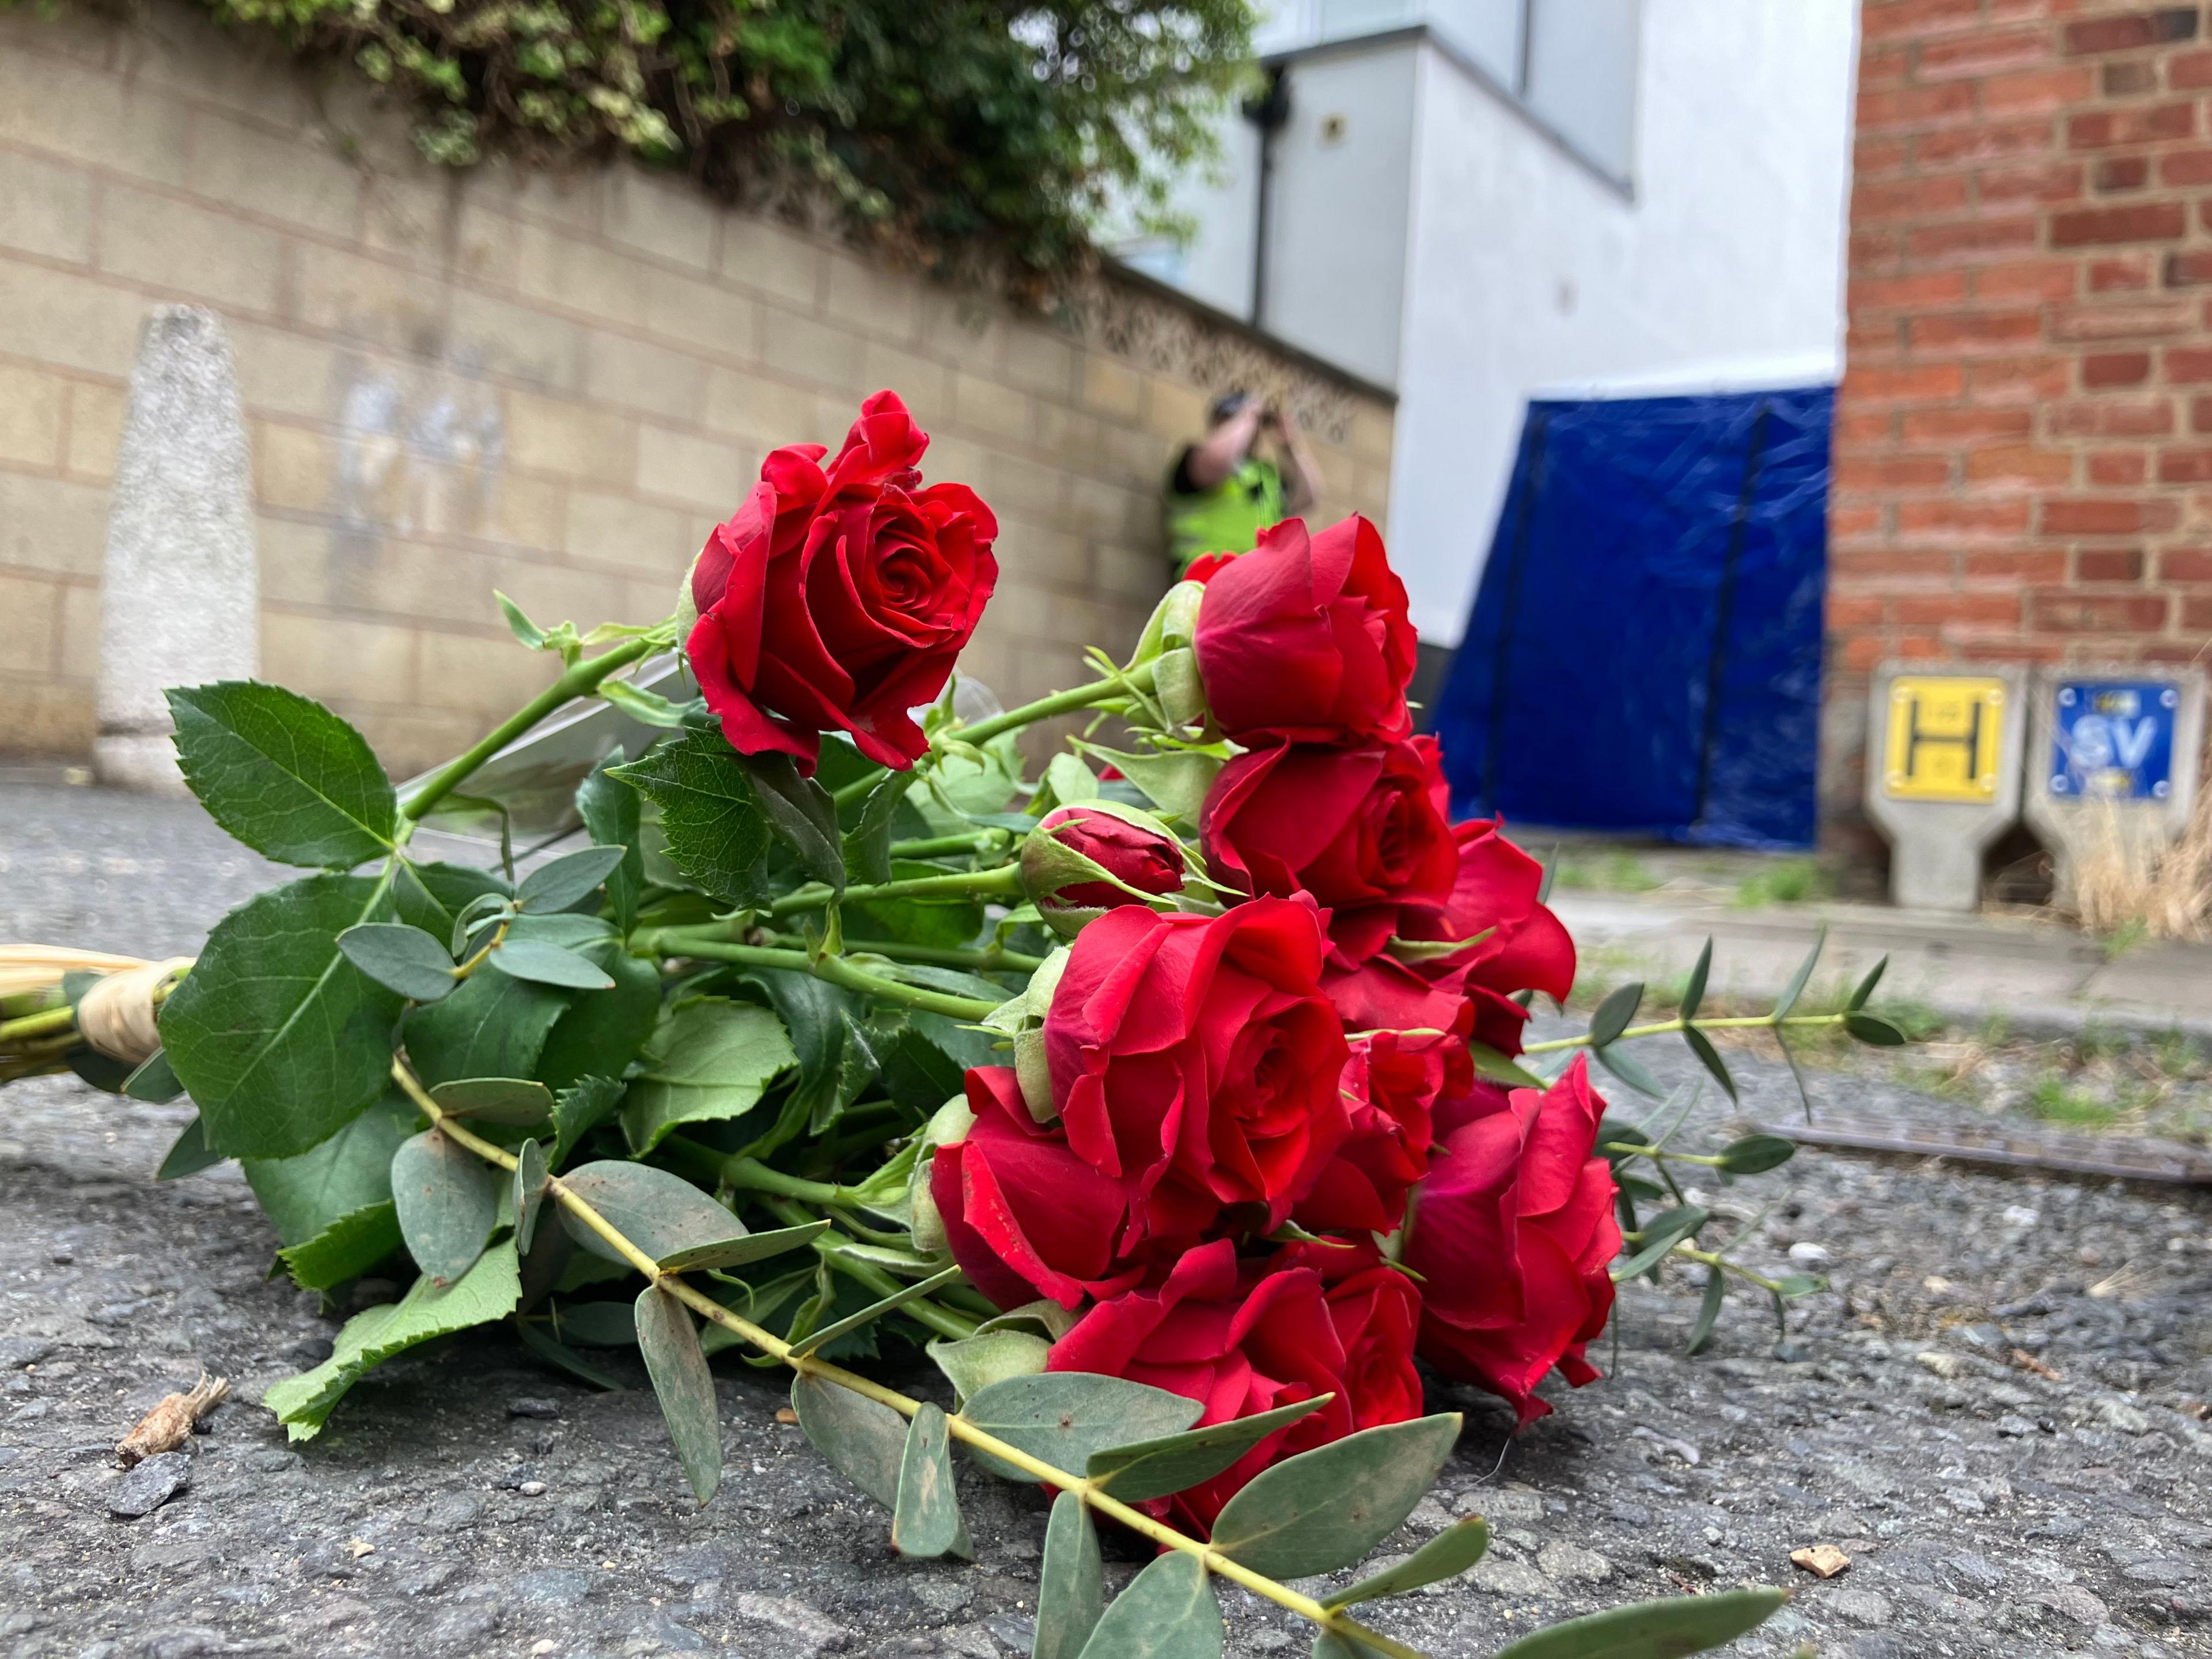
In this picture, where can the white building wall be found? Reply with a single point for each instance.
(1528, 273)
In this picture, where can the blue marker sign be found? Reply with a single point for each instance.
(2115, 739)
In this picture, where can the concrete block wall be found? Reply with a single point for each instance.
(2023, 441)
(553, 385)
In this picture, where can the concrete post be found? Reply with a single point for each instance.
(179, 600)
(2113, 757)
(1942, 781)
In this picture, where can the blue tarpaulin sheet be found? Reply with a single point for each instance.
(1645, 652)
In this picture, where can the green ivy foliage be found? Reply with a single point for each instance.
(955, 130)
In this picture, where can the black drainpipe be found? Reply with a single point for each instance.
(1268, 111)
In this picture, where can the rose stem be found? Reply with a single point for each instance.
(704, 946)
(989, 956)
(1137, 1521)
(1002, 881)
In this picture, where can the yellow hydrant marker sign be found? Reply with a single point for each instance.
(1945, 738)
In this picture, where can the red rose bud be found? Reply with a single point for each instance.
(838, 596)
(1081, 862)
(1307, 637)
(1357, 826)
(1512, 1233)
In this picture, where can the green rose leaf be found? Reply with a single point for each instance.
(682, 1384)
(346, 1249)
(602, 1031)
(1654, 1630)
(1063, 1417)
(493, 1025)
(868, 842)
(1325, 1508)
(155, 1082)
(431, 896)
(1447, 1555)
(349, 1173)
(579, 1108)
(1071, 1584)
(926, 1513)
(401, 958)
(487, 1292)
(711, 1060)
(800, 812)
(866, 1441)
(1168, 1612)
(284, 774)
(1156, 1468)
(447, 1199)
(569, 879)
(514, 1101)
(659, 1212)
(715, 829)
(279, 1039)
(188, 1154)
(839, 1048)
(611, 813)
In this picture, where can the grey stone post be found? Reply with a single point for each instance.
(180, 590)
(1943, 778)
(2112, 761)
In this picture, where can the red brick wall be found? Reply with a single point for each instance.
(2023, 446)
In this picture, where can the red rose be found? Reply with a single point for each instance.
(1391, 1084)
(1494, 893)
(1206, 565)
(1512, 1233)
(1024, 1216)
(836, 597)
(1147, 859)
(1357, 826)
(1242, 1340)
(1194, 1060)
(1307, 637)
(1376, 1310)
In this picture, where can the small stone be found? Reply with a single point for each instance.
(554, 1587)
(543, 1647)
(1868, 1607)
(1272, 1641)
(531, 1488)
(1821, 1560)
(1966, 1501)
(1514, 1580)
(1017, 1630)
(805, 1630)
(17, 1351)
(2014, 1426)
(529, 1405)
(942, 1596)
(151, 1485)
(1807, 1254)
(2075, 1604)
(1574, 1563)
(359, 1547)
(2118, 1414)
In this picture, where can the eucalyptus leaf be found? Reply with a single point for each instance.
(548, 964)
(1489, 1063)
(599, 1324)
(1798, 1284)
(715, 831)
(1797, 1073)
(1630, 1070)
(926, 1513)
(400, 958)
(284, 774)
(682, 1384)
(711, 1060)
(448, 1199)
(560, 883)
(658, 1212)
(529, 1192)
(1654, 1630)
(516, 1102)
(1168, 1612)
(864, 1440)
(972, 1363)
(1694, 989)
(487, 1292)
(1709, 1057)
(562, 1358)
(155, 1082)
(1063, 1417)
(1325, 1508)
(875, 1310)
(188, 1154)
(1802, 977)
(1873, 1030)
(1708, 1312)
(1613, 1014)
(1660, 1234)
(743, 1248)
(1447, 1555)
(279, 1039)
(1756, 1154)
(1071, 1584)
(432, 895)
(611, 812)
(1159, 1468)
(1865, 988)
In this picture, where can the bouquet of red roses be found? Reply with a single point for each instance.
(1173, 1102)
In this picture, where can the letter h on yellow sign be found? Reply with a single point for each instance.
(1945, 738)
